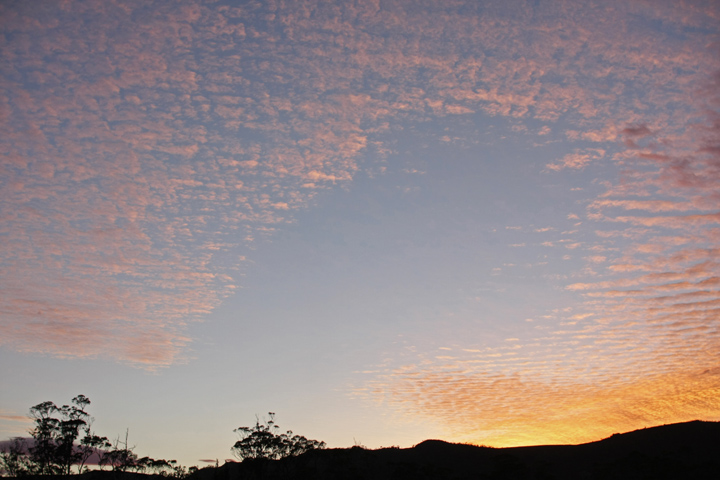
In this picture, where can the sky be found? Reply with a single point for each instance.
(494, 222)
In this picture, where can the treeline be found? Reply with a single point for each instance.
(62, 438)
(62, 443)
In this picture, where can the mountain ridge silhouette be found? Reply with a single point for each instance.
(674, 451)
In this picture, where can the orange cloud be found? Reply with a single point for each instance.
(501, 410)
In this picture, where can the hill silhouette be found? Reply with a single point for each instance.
(676, 451)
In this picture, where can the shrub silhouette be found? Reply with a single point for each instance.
(264, 441)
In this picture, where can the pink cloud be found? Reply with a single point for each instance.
(647, 205)
(678, 222)
(578, 160)
(125, 154)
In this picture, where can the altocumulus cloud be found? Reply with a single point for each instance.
(146, 145)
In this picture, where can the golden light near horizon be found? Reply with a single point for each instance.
(494, 222)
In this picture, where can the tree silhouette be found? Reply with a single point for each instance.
(264, 441)
(55, 433)
(121, 456)
(90, 444)
(14, 460)
(55, 447)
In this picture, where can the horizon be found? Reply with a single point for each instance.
(93, 461)
(668, 451)
(387, 221)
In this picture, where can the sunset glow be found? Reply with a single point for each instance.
(491, 222)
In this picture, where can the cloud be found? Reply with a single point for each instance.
(644, 205)
(512, 410)
(124, 182)
(578, 160)
(13, 425)
(135, 151)
(544, 130)
(15, 418)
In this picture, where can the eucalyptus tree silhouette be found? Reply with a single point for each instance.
(56, 430)
(264, 441)
(54, 447)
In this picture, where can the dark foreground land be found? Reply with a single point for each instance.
(680, 451)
